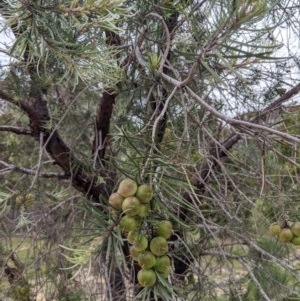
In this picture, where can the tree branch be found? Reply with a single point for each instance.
(12, 167)
(220, 151)
(256, 281)
(9, 99)
(37, 111)
(102, 123)
(16, 130)
(237, 122)
(104, 111)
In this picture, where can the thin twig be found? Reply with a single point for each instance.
(37, 172)
(162, 113)
(168, 41)
(236, 122)
(252, 276)
(11, 167)
(265, 253)
(16, 130)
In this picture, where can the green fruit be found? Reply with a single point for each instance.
(159, 246)
(286, 235)
(30, 197)
(162, 264)
(296, 228)
(144, 210)
(147, 260)
(134, 253)
(140, 243)
(165, 273)
(131, 206)
(128, 223)
(116, 200)
(274, 229)
(127, 188)
(144, 193)
(164, 229)
(296, 240)
(19, 200)
(146, 278)
(132, 236)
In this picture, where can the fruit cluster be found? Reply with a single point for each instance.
(149, 246)
(286, 232)
(25, 200)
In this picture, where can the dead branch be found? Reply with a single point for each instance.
(11, 167)
(16, 130)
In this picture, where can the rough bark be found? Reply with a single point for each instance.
(104, 111)
(102, 123)
(81, 179)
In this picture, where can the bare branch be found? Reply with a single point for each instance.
(236, 122)
(168, 41)
(104, 111)
(256, 281)
(225, 146)
(265, 253)
(37, 171)
(212, 252)
(278, 102)
(10, 167)
(161, 115)
(221, 150)
(270, 108)
(15, 129)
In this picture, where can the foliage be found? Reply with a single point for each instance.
(194, 98)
